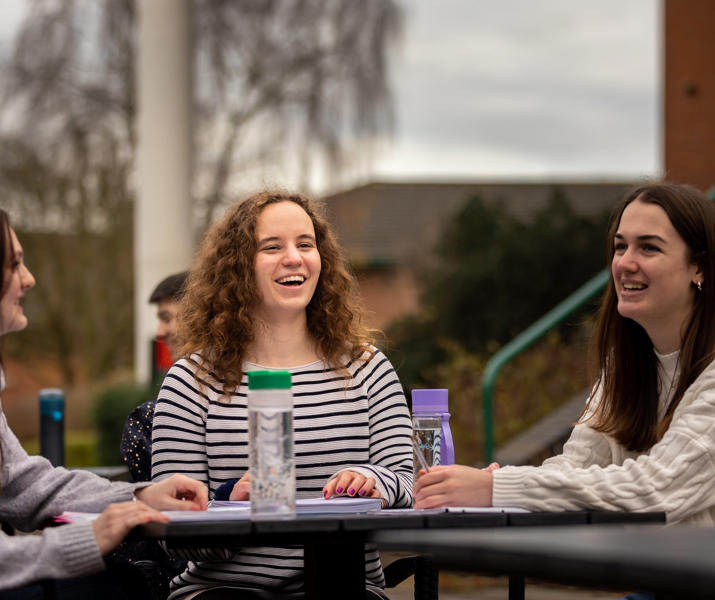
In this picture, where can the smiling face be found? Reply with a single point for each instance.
(167, 312)
(652, 273)
(287, 263)
(17, 280)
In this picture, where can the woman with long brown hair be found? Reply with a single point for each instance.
(269, 289)
(32, 490)
(645, 440)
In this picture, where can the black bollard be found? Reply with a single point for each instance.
(52, 425)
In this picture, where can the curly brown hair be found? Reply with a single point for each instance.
(216, 315)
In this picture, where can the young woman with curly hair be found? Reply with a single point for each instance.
(223, 295)
(645, 441)
(269, 289)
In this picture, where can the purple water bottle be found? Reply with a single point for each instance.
(430, 426)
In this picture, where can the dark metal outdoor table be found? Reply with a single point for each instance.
(674, 562)
(334, 544)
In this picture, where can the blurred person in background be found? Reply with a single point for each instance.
(32, 491)
(135, 444)
(167, 296)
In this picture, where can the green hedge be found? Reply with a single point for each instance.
(111, 408)
(80, 448)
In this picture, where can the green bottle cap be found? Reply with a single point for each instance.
(268, 380)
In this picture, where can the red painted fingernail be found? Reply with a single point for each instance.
(351, 491)
(325, 493)
(362, 492)
(339, 490)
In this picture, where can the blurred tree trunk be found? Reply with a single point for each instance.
(284, 87)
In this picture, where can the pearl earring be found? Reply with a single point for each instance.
(699, 285)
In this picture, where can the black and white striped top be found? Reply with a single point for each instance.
(361, 424)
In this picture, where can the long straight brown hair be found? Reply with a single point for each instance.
(6, 251)
(623, 359)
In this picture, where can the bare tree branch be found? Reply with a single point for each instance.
(280, 85)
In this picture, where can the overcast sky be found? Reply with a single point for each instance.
(525, 88)
(566, 89)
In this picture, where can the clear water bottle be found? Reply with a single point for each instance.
(270, 444)
(430, 427)
(52, 425)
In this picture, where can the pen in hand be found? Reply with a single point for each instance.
(420, 456)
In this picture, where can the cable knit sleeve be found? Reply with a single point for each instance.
(585, 446)
(677, 475)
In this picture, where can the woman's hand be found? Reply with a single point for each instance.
(454, 485)
(117, 520)
(351, 483)
(242, 488)
(178, 492)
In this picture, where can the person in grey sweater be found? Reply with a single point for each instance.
(32, 490)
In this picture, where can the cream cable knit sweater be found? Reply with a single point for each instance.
(677, 475)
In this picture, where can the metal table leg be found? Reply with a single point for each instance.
(516, 587)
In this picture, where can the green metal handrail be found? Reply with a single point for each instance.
(527, 337)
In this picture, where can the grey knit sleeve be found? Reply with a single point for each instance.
(56, 552)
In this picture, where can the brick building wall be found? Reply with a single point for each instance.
(689, 92)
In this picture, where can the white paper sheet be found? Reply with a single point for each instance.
(227, 510)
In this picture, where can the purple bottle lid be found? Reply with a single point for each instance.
(430, 401)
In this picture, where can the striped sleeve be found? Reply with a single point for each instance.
(178, 435)
(348, 418)
(390, 428)
(179, 439)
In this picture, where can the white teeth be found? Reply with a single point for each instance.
(633, 286)
(292, 279)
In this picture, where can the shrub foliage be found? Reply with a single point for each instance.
(494, 275)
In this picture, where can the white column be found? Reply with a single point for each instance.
(163, 240)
